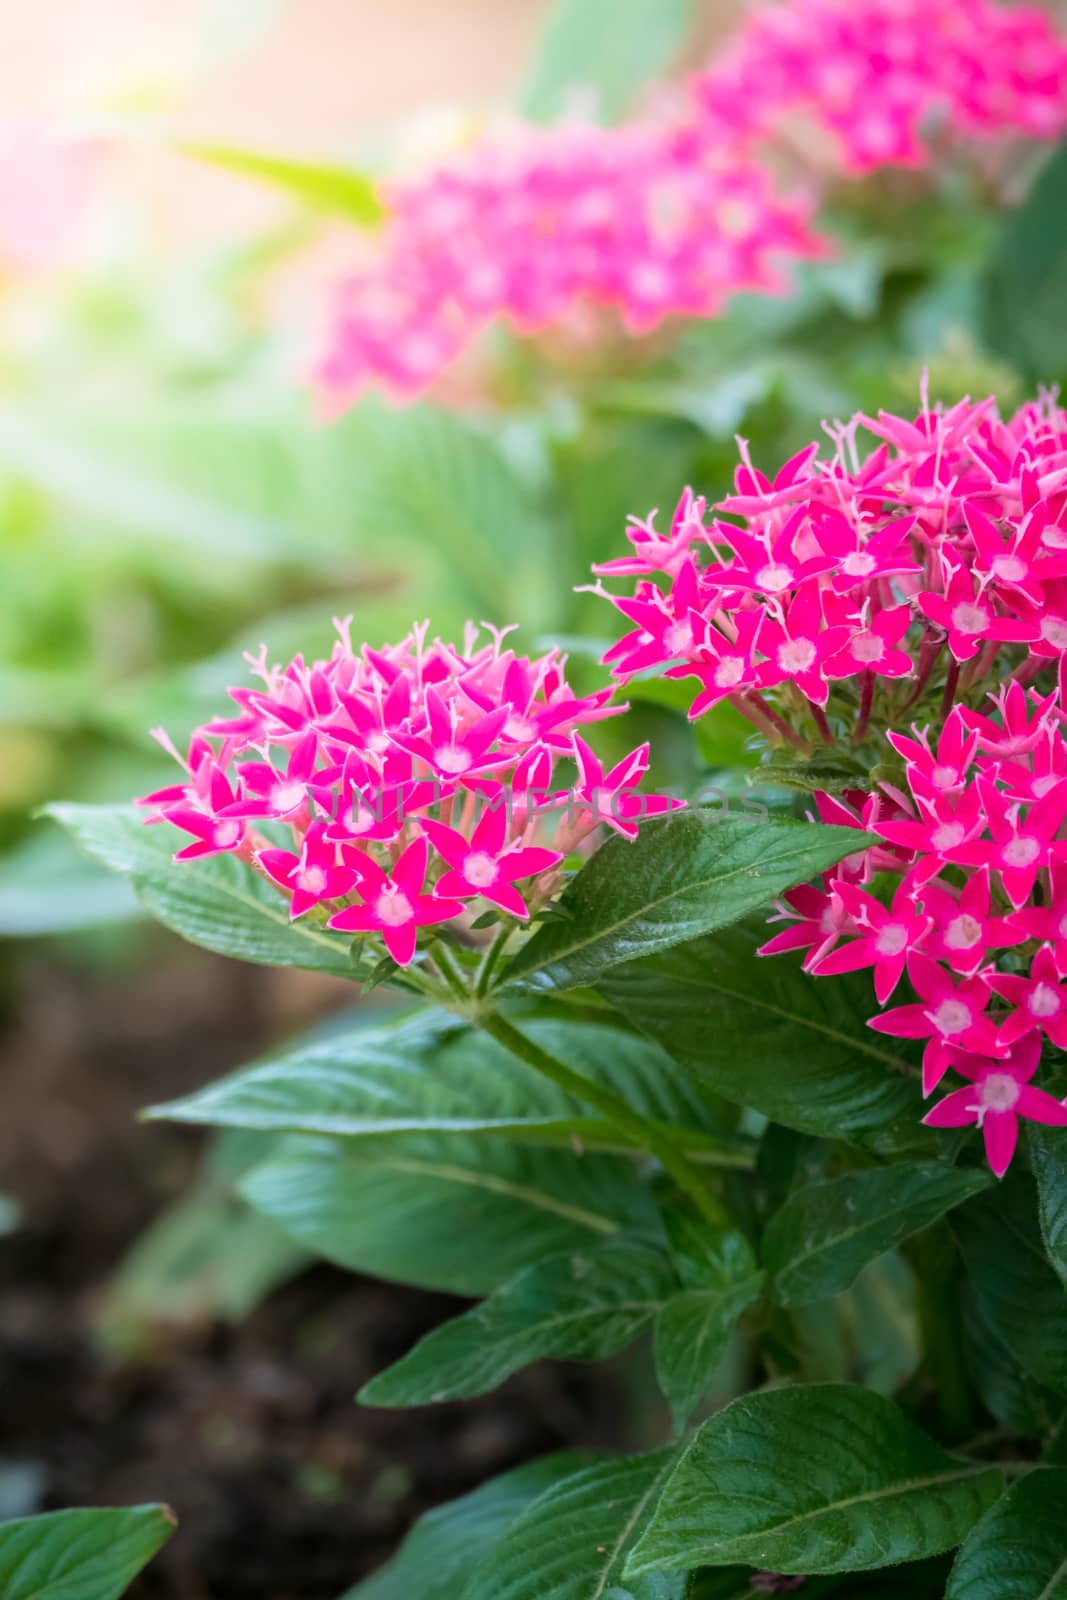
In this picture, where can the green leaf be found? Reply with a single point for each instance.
(1016, 1291)
(683, 877)
(1023, 286)
(218, 902)
(1048, 1158)
(604, 50)
(1018, 1551)
(765, 1034)
(341, 191)
(451, 1213)
(720, 1278)
(815, 1246)
(435, 1560)
(817, 1479)
(432, 1075)
(584, 1307)
(80, 1555)
(572, 1542)
(1007, 1391)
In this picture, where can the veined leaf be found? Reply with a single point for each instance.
(765, 1034)
(435, 1560)
(82, 1554)
(449, 1213)
(583, 1307)
(823, 1236)
(604, 49)
(322, 186)
(684, 876)
(433, 1075)
(1018, 1551)
(816, 1479)
(1048, 1157)
(218, 902)
(1015, 1289)
(572, 1542)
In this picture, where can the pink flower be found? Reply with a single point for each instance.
(798, 645)
(393, 903)
(969, 616)
(1020, 845)
(312, 876)
(886, 937)
(871, 643)
(614, 798)
(945, 1014)
(964, 929)
(818, 919)
(484, 865)
(997, 1095)
(1040, 999)
(1049, 921)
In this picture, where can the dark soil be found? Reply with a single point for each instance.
(284, 1488)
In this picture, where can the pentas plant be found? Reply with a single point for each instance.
(672, 213)
(594, 1107)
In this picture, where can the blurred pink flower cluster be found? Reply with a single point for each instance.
(855, 586)
(672, 214)
(386, 790)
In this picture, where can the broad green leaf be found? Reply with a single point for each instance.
(572, 1542)
(765, 1034)
(719, 1279)
(436, 1558)
(584, 1307)
(1048, 1158)
(683, 877)
(603, 50)
(1007, 1390)
(48, 887)
(434, 1075)
(1018, 1551)
(817, 1479)
(451, 1213)
(341, 191)
(1015, 1289)
(219, 902)
(80, 1555)
(815, 1246)
(1024, 278)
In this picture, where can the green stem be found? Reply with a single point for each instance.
(490, 959)
(450, 971)
(661, 1145)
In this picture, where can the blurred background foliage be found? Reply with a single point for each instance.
(169, 497)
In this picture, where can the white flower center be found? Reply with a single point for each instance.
(773, 578)
(731, 670)
(967, 618)
(858, 563)
(393, 907)
(227, 833)
(946, 777)
(1055, 537)
(796, 655)
(452, 758)
(287, 796)
(868, 647)
(1054, 632)
(963, 932)
(480, 869)
(678, 639)
(313, 879)
(519, 728)
(999, 1092)
(1010, 568)
(948, 836)
(891, 940)
(1043, 1001)
(952, 1016)
(1020, 852)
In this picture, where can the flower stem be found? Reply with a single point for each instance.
(628, 1121)
(490, 959)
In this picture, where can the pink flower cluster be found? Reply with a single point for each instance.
(671, 214)
(850, 588)
(879, 75)
(384, 791)
(978, 917)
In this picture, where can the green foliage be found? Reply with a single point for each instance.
(732, 1021)
(603, 50)
(719, 1278)
(821, 1478)
(80, 1555)
(1018, 1551)
(1023, 279)
(680, 878)
(823, 1236)
(340, 191)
